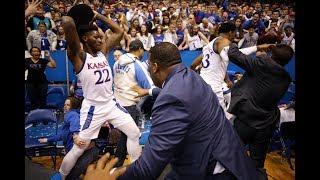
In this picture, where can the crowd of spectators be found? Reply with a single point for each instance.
(189, 25)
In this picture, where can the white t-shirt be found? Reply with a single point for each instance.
(194, 42)
(146, 41)
(170, 37)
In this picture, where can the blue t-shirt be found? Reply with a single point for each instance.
(180, 34)
(158, 39)
(61, 45)
(45, 44)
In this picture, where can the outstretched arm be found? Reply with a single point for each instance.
(244, 61)
(222, 47)
(115, 38)
(74, 52)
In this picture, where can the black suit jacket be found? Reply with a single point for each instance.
(255, 97)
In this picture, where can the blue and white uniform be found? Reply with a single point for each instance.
(98, 106)
(214, 68)
(130, 71)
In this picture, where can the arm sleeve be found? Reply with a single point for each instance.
(55, 138)
(74, 120)
(170, 125)
(237, 57)
(142, 76)
(154, 91)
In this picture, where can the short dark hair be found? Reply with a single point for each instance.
(227, 27)
(42, 23)
(256, 13)
(85, 29)
(34, 47)
(282, 54)
(135, 45)
(288, 27)
(251, 26)
(275, 11)
(165, 54)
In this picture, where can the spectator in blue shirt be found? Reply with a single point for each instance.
(212, 15)
(232, 12)
(71, 124)
(256, 23)
(199, 14)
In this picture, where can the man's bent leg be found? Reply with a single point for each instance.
(70, 160)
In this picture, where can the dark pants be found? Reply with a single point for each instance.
(121, 151)
(38, 95)
(258, 141)
(88, 157)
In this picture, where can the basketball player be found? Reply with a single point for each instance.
(215, 61)
(99, 104)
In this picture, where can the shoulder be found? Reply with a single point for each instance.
(32, 33)
(71, 114)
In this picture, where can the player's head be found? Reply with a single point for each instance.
(71, 103)
(282, 54)
(90, 37)
(35, 52)
(136, 47)
(228, 29)
(162, 56)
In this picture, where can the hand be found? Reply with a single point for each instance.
(141, 92)
(71, 89)
(32, 7)
(101, 170)
(265, 46)
(229, 84)
(43, 140)
(46, 54)
(78, 141)
(259, 53)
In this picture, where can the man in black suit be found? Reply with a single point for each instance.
(255, 97)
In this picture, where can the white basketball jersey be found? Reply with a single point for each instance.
(213, 69)
(96, 79)
(194, 42)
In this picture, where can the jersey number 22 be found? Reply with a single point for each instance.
(101, 73)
